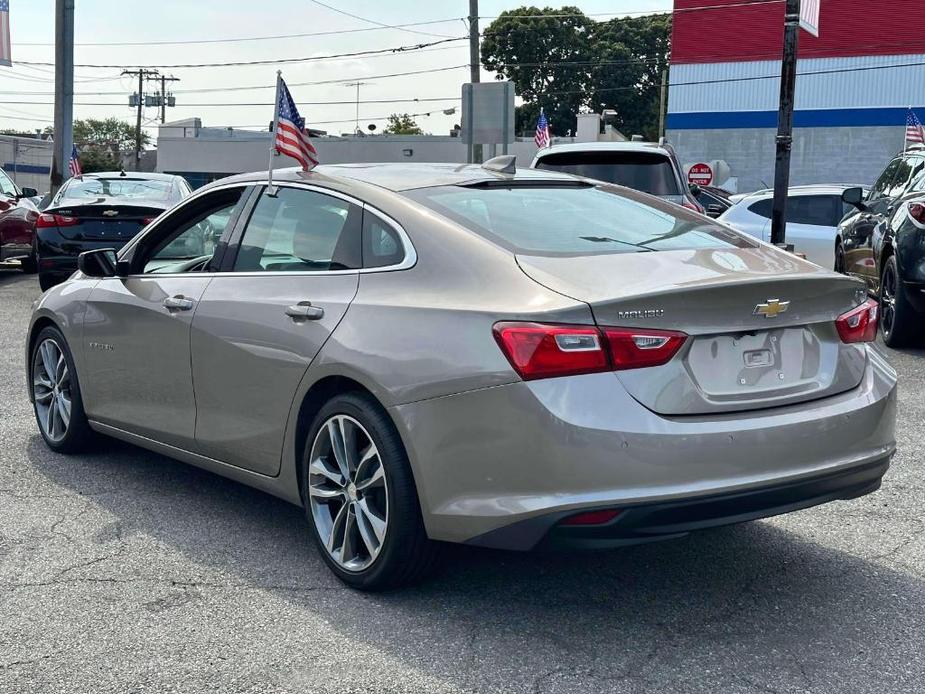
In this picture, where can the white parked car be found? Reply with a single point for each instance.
(813, 214)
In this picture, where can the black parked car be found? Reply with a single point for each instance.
(714, 200)
(881, 242)
(100, 210)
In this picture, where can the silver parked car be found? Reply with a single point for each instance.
(470, 354)
(813, 214)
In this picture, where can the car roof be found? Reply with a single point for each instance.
(404, 176)
(810, 189)
(136, 175)
(652, 147)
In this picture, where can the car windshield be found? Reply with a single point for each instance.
(118, 188)
(649, 172)
(575, 219)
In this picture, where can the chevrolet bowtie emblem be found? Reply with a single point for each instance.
(772, 309)
(110, 213)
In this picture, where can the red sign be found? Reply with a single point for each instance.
(700, 174)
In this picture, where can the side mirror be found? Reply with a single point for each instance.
(715, 210)
(854, 197)
(695, 189)
(101, 262)
(29, 193)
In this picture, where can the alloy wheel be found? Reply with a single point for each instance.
(348, 492)
(888, 300)
(51, 388)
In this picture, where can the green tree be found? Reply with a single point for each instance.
(566, 63)
(402, 124)
(544, 52)
(110, 133)
(98, 159)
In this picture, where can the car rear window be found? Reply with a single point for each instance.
(649, 172)
(575, 219)
(90, 188)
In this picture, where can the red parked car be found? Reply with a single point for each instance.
(18, 215)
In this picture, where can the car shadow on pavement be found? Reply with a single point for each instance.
(701, 613)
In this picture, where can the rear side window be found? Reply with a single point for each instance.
(762, 208)
(7, 187)
(649, 172)
(817, 210)
(300, 231)
(575, 220)
(381, 245)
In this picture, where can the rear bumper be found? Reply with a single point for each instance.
(543, 450)
(651, 522)
(57, 255)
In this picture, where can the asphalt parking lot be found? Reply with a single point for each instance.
(123, 571)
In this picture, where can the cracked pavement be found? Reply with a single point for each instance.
(124, 571)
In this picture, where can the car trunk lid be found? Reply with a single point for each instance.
(760, 323)
(105, 220)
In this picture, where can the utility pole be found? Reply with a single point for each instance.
(475, 63)
(142, 74)
(164, 81)
(788, 76)
(356, 130)
(661, 104)
(64, 91)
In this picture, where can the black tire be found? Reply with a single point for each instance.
(78, 434)
(47, 281)
(900, 324)
(406, 555)
(840, 258)
(29, 264)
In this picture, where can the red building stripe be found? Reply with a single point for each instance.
(742, 33)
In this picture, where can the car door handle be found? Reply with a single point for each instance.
(178, 303)
(304, 311)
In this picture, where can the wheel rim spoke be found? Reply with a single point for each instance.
(348, 492)
(51, 390)
(335, 435)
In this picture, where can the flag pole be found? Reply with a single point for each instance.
(270, 189)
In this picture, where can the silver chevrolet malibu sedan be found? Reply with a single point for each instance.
(506, 358)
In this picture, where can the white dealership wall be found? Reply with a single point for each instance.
(202, 154)
(27, 161)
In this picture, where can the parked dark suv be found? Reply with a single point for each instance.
(883, 242)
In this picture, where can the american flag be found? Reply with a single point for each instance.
(915, 134)
(542, 138)
(73, 164)
(5, 55)
(291, 136)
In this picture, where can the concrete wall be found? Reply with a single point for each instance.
(26, 161)
(216, 151)
(820, 155)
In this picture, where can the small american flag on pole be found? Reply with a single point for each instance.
(915, 134)
(291, 136)
(73, 164)
(5, 54)
(542, 137)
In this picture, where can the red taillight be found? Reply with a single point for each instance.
(46, 220)
(637, 349)
(546, 351)
(859, 324)
(917, 212)
(591, 517)
(691, 205)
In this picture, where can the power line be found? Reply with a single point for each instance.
(372, 21)
(271, 61)
(274, 37)
(256, 86)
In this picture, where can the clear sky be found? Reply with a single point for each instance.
(99, 21)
